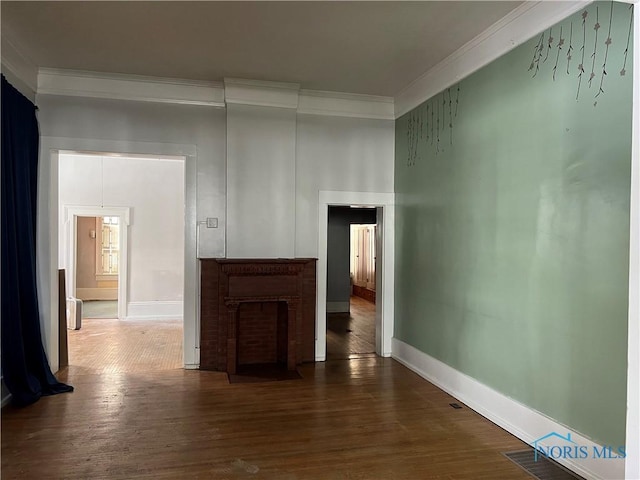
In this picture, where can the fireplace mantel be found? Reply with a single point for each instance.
(257, 310)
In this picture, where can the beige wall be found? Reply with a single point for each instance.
(86, 254)
(86, 283)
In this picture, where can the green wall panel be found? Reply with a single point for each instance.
(512, 239)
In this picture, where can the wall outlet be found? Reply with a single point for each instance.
(212, 222)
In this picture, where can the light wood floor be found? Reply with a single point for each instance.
(115, 346)
(362, 419)
(350, 335)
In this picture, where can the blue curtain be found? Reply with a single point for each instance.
(24, 363)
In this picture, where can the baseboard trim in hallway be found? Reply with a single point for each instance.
(516, 418)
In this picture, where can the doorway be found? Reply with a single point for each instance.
(384, 274)
(97, 265)
(113, 258)
(351, 259)
(82, 255)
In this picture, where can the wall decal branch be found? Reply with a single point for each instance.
(606, 52)
(596, 27)
(549, 42)
(444, 103)
(570, 49)
(560, 43)
(626, 50)
(450, 118)
(432, 124)
(546, 38)
(537, 53)
(427, 127)
(438, 128)
(584, 41)
(410, 140)
(426, 124)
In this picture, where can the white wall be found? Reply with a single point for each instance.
(340, 154)
(90, 124)
(261, 166)
(322, 153)
(128, 121)
(154, 190)
(279, 161)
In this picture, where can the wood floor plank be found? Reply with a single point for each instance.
(366, 418)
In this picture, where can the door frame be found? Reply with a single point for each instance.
(384, 203)
(71, 214)
(47, 233)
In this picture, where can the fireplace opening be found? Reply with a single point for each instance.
(262, 331)
(262, 335)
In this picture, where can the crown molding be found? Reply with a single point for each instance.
(77, 83)
(515, 28)
(316, 102)
(129, 87)
(261, 93)
(18, 69)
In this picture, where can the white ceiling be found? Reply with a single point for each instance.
(375, 48)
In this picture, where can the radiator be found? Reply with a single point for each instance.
(74, 313)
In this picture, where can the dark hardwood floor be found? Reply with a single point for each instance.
(353, 334)
(365, 418)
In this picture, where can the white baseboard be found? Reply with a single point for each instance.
(164, 310)
(97, 293)
(192, 366)
(337, 307)
(516, 418)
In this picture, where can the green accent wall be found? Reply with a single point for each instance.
(512, 241)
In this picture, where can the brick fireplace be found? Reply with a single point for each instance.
(257, 311)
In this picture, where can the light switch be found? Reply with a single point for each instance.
(212, 222)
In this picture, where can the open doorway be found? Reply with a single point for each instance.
(121, 225)
(97, 265)
(350, 300)
(94, 254)
(385, 252)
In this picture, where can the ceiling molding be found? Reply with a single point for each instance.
(261, 93)
(512, 30)
(18, 68)
(129, 87)
(234, 91)
(315, 102)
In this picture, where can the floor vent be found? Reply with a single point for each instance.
(542, 469)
